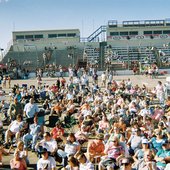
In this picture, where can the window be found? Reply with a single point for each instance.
(28, 36)
(19, 37)
(123, 33)
(133, 33)
(114, 33)
(147, 32)
(157, 32)
(38, 36)
(71, 34)
(52, 35)
(166, 32)
(61, 35)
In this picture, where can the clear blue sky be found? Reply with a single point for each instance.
(86, 15)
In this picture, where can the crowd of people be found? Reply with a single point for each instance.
(103, 124)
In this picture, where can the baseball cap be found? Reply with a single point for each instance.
(145, 141)
(43, 150)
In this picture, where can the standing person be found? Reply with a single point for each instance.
(9, 82)
(4, 82)
(61, 71)
(160, 92)
(46, 162)
(103, 77)
(95, 78)
(39, 81)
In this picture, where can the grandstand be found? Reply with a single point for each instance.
(115, 44)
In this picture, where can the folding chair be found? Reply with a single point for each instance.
(51, 121)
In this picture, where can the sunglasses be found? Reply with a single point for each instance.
(125, 164)
(114, 141)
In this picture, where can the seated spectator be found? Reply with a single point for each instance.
(121, 125)
(57, 131)
(157, 141)
(158, 113)
(46, 162)
(127, 163)
(15, 108)
(115, 131)
(95, 147)
(135, 141)
(71, 148)
(73, 164)
(81, 135)
(48, 143)
(147, 163)
(3, 151)
(139, 154)
(114, 151)
(23, 153)
(84, 163)
(17, 162)
(31, 110)
(89, 123)
(33, 134)
(104, 125)
(56, 109)
(70, 107)
(163, 156)
(13, 130)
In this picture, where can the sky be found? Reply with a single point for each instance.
(86, 15)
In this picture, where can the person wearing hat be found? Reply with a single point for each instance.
(46, 162)
(96, 147)
(163, 156)
(139, 154)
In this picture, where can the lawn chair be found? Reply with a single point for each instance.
(51, 121)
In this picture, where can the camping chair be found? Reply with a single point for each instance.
(51, 121)
(69, 123)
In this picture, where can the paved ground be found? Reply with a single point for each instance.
(137, 79)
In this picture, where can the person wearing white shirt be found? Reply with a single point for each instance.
(85, 164)
(48, 143)
(46, 162)
(31, 109)
(13, 129)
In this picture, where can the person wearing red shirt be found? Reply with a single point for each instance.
(57, 131)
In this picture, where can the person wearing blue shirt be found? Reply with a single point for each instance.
(163, 156)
